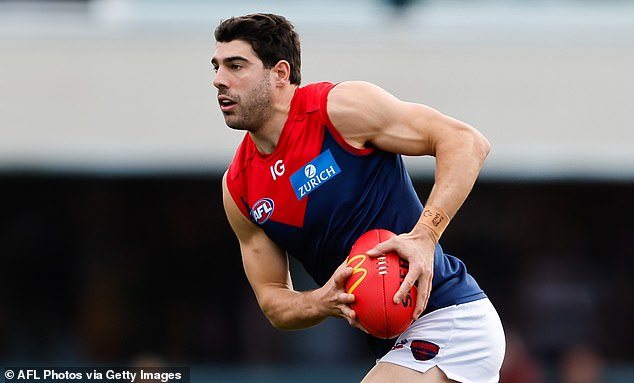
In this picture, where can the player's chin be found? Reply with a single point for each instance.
(233, 122)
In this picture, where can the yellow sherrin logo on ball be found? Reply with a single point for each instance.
(357, 269)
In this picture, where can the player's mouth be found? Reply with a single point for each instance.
(226, 103)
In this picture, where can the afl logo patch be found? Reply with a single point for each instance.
(262, 210)
(424, 350)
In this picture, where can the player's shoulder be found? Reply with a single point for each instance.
(317, 87)
(358, 102)
(357, 90)
(312, 96)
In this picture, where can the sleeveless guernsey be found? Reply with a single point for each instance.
(314, 195)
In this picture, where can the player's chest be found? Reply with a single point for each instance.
(279, 188)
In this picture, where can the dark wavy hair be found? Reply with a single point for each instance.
(272, 38)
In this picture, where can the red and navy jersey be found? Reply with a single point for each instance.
(315, 194)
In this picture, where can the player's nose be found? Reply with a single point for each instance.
(220, 80)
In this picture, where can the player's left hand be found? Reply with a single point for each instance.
(417, 247)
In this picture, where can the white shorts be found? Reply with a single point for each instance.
(465, 341)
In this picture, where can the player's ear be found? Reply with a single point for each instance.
(282, 72)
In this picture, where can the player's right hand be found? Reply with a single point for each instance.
(335, 298)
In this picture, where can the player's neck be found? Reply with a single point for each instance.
(268, 135)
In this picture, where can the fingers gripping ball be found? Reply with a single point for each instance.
(374, 281)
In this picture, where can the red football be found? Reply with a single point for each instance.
(374, 281)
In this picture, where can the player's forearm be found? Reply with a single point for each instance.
(292, 310)
(458, 164)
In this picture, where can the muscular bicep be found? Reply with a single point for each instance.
(367, 115)
(265, 264)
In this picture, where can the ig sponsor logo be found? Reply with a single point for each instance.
(278, 169)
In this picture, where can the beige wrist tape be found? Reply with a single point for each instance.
(436, 219)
